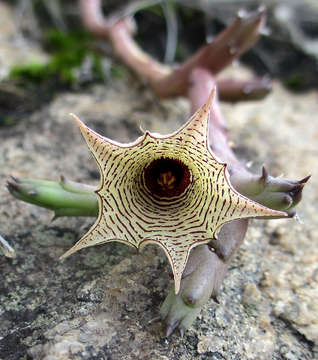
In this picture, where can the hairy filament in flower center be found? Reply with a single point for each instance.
(166, 180)
(166, 177)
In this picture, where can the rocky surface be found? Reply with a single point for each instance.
(14, 48)
(98, 304)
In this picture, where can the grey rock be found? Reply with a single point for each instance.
(98, 304)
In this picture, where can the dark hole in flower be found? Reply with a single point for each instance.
(167, 177)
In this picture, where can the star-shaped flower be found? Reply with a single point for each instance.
(169, 190)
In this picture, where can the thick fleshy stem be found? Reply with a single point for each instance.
(238, 90)
(207, 265)
(201, 280)
(215, 56)
(166, 81)
(279, 193)
(65, 198)
(204, 271)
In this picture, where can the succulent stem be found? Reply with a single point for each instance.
(167, 81)
(65, 198)
(201, 280)
(238, 90)
(207, 266)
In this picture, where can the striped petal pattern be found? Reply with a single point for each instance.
(193, 209)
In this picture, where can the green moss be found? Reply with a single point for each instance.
(33, 71)
(7, 120)
(69, 54)
(294, 82)
(118, 71)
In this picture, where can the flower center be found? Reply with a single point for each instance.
(167, 177)
(166, 180)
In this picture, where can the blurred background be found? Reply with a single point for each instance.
(44, 46)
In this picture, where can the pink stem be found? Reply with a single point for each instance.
(120, 33)
(237, 90)
(202, 83)
(229, 45)
(126, 49)
(166, 81)
(93, 19)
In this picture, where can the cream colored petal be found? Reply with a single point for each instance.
(196, 128)
(128, 211)
(177, 253)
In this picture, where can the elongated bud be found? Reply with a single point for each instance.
(65, 198)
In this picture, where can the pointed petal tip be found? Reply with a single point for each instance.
(66, 254)
(77, 120)
(176, 285)
(209, 102)
(265, 211)
(74, 117)
(272, 212)
(62, 257)
(89, 135)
